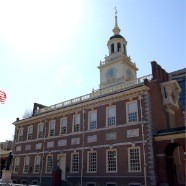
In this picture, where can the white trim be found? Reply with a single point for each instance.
(129, 165)
(107, 171)
(127, 112)
(107, 109)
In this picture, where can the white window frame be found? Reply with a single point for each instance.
(72, 169)
(127, 110)
(40, 130)
(90, 164)
(107, 161)
(26, 166)
(20, 134)
(76, 124)
(49, 165)
(63, 126)
(30, 132)
(16, 165)
(110, 121)
(129, 159)
(92, 121)
(37, 164)
(52, 126)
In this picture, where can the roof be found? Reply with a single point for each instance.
(116, 36)
(171, 131)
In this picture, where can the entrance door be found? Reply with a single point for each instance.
(62, 165)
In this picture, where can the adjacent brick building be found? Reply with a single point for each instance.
(125, 133)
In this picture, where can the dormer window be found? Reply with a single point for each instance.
(112, 48)
(118, 47)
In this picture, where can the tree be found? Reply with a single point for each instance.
(27, 114)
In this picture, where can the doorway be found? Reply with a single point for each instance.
(62, 165)
(175, 164)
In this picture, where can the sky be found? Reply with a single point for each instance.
(50, 50)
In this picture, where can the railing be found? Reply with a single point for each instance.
(94, 94)
(115, 56)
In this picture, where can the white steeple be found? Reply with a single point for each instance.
(117, 67)
(116, 29)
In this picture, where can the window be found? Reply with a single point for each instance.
(112, 48)
(92, 120)
(16, 165)
(52, 128)
(118, 47)
(26, 165)
(37, 164)
(74, 162)
(92, 162)
(111, 161)
(124, 48)
(49, 163)
(40, 130)
(132, 111)
(76, 123)
(134, 164)
(20, 134)
(111, 116)
(30, 132)
(63, 126)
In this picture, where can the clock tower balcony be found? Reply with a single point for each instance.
(115, 57)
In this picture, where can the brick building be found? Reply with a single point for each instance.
(129, 132)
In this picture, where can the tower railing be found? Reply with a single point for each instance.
(94, 94)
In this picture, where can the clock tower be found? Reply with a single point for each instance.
(117, 67)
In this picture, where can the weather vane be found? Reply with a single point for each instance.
(115, 11)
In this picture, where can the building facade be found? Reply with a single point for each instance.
(110, 137)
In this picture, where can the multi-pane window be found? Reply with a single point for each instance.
(40, 130)
(20, 134)
(49, 163)
(52, 128)
(132, 111)
(111, 161)
(92, 162)
(26, 164)
(30, 132)
(74, 162)
(76, 123)
(37, 164)
(134, 159)
(92, 120)
(111, 116)
(63, 126)
(16, 165)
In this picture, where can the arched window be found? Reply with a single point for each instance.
(124, 48)
(118, 47)
(112, 48)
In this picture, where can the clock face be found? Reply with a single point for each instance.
(111, 73)
(129, 74)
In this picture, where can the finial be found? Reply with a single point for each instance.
(115, 10)
(116, 29)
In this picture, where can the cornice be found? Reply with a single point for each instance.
(95, 102)
(170, 137)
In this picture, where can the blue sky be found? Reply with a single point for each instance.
(50, 50)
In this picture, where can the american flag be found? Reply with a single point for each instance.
(2, 96)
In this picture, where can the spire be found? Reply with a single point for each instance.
(116, 29)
